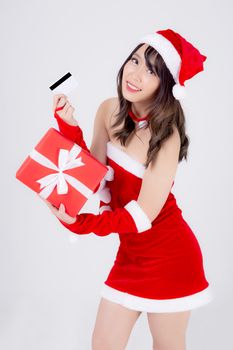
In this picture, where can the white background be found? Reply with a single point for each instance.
(50, 287)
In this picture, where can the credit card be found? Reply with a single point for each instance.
(64, 85)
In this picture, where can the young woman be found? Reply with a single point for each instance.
(140, 135)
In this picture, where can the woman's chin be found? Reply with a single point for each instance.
(130, 97)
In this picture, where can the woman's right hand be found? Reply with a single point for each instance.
(66, 113)
(60, 212)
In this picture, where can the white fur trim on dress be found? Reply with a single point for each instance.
(124, 160)
(134, 302)
(109, 176)
(140, 218)
(104, 207)
(103, 193)
(166, 50)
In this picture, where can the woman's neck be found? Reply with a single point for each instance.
(138, 110)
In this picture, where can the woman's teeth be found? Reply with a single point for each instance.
(132, 86)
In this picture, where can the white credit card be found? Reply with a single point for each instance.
(64, 85)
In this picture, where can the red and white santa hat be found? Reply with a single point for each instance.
(181, 57)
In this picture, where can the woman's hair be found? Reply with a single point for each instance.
(164, 110)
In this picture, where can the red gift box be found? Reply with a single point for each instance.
(62, 172)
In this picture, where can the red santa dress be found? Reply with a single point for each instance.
(162, 269)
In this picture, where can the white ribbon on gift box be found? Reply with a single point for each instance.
(66, 160)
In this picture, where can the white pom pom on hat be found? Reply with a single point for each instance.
(181, 58)
(178, 91)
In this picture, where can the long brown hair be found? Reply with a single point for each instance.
(164, 110)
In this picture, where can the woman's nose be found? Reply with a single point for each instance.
(137, 76)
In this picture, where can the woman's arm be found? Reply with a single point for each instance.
(137, 215)
(73, 132)
(69, 127)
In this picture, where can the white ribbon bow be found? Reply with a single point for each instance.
(66, 160)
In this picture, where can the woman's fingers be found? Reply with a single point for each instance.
(64, 216)
(67, 105)
(51, 207)
(57, 98)
(66, 113)
(69, 113)
(61, 209)
(60, 213)
(61, 102)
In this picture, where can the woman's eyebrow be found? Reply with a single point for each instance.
(136, 54)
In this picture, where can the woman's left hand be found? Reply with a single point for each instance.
(60, 213)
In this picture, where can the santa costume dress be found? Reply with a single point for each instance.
(158, 265)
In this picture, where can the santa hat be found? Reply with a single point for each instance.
(182, 59)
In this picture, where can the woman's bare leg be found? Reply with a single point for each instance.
(169, 329)
(113, 326)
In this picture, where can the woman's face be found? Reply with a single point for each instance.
(138, 74)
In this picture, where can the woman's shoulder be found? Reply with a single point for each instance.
(111, 107)
(111, 104)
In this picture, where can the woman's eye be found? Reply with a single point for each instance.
(133, 59)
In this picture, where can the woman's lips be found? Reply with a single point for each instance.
(130, 89)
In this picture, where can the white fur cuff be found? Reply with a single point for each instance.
(140, 218)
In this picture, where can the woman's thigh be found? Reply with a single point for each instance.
(169, 329)
(113, 326)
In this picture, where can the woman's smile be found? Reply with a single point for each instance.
(132, 88)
